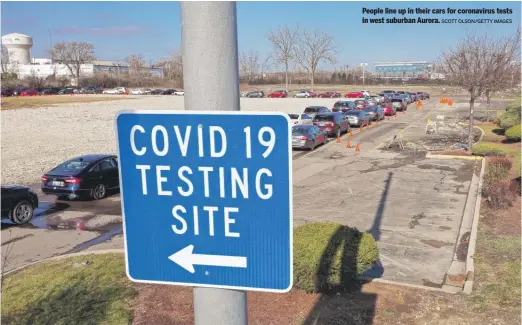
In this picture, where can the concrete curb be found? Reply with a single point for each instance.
(435, 156)
(60, 257)
(458, 272)
(404, 284)
(470, 258)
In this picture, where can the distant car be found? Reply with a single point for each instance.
(333, 123)
(116, 91)
(18, 203)
(313, 110)
(137, 92)
(67, 91)
(18, 91)
(169, 92)
(7, 93)
(420, 95)
(426, 95)
(399, 103)
(365, 93)
(412, 95)
(300, 118)
(357, 117)
(361, 103)
(308, 136)
(255, 94)
(29, 92)
(355, 94)
(343, 106)
(157, 92)
(179, 93)
(49, 91)
(329, 94)
(372, 101)
(277, 94)
(86, 176)
(91, 90)
(375, 111)
(388, 91)
(303, 94)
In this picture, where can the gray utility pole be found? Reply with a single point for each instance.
(211, 83)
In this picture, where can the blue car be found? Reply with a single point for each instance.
(89, 176)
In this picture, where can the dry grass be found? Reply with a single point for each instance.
(48, 101)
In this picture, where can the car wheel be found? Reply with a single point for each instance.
(313, 146)
(99, 192)
(22, 212)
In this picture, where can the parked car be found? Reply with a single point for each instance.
(375, 111)
(179, 93)
(372, 101)
(388, 92)
(169, 92)
(300, 118)
(333, 123)
(86, 176)
(29, 92)
(18, 91)
(420, 95)
(355, 94)
(49, 91)
(357, 117)
(91, 90)
(329, 94)
(412, 95)
(308, 136)
(426, 95)
(365, 93)
(304, 94)
(157, 92)
(67, 91)
(361, 103)
(116, 91)
(7, 93)
(343, 106)
(277, 94)
(255, 94)
(313, 110)
(389, 109)
(18, 203)
(137, 92)
(379, 99)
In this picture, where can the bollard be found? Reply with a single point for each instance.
(404, 112)
(357, 147)
(338, 139)
(377, 123)
(367, 125)
(351, 134)
(360, 128)
(348, 144)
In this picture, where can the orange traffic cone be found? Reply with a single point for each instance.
(377, 123)
(338, 139)
(367, 125)
(348, 144)
(403, 112)
(360, 128)
(351, 134)
(388, 117)
(357, 148)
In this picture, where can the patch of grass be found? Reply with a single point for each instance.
(330, 255)
(66, 292)
(492, 132)
(488, 149)
(47, 101)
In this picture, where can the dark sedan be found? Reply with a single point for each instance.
(91, 90)
(157, 92)
(86, 176)
(330, 94)
(169, 92)
(343, 106)
(49, 91)
(18, 203)
(255, 94)
(375, 111)
(308, 136)
(357, 117)
(7, 93)
(333, 123)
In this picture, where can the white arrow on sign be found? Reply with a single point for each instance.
(186, 259)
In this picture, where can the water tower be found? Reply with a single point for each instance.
(19, 47)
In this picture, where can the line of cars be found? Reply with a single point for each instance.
(88, 176)
(87, 90)
(313, 126)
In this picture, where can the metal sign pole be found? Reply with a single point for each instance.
(211, 82)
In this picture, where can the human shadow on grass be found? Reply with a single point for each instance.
(75, 302)
(342, 302)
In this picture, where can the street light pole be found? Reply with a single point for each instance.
(210, 67)
(363, 65)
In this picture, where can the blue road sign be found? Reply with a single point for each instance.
(207, 198)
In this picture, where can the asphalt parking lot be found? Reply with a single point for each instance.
(412, 204)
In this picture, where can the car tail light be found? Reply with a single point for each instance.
(44, 179)
(73, 180)
(295, 122)
(329, 124)
(303, 138)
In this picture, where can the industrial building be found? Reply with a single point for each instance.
(405, 70)
(20, 62)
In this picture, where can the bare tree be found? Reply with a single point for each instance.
(7, 256)
(249, 64)
(313, 48)
(5, 59)
(173, 68)
(284, 40)
(73, 55)
(136, 62)
(476, 64)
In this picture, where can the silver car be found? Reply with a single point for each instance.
(306, 136)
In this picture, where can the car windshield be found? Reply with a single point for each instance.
(75, 165)
(396, 100)
(324, 118)
(370, 108)
(311, 110)
(293, 116)
(352, 113)
(359, 102)
(341, 104)
(300, 130)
